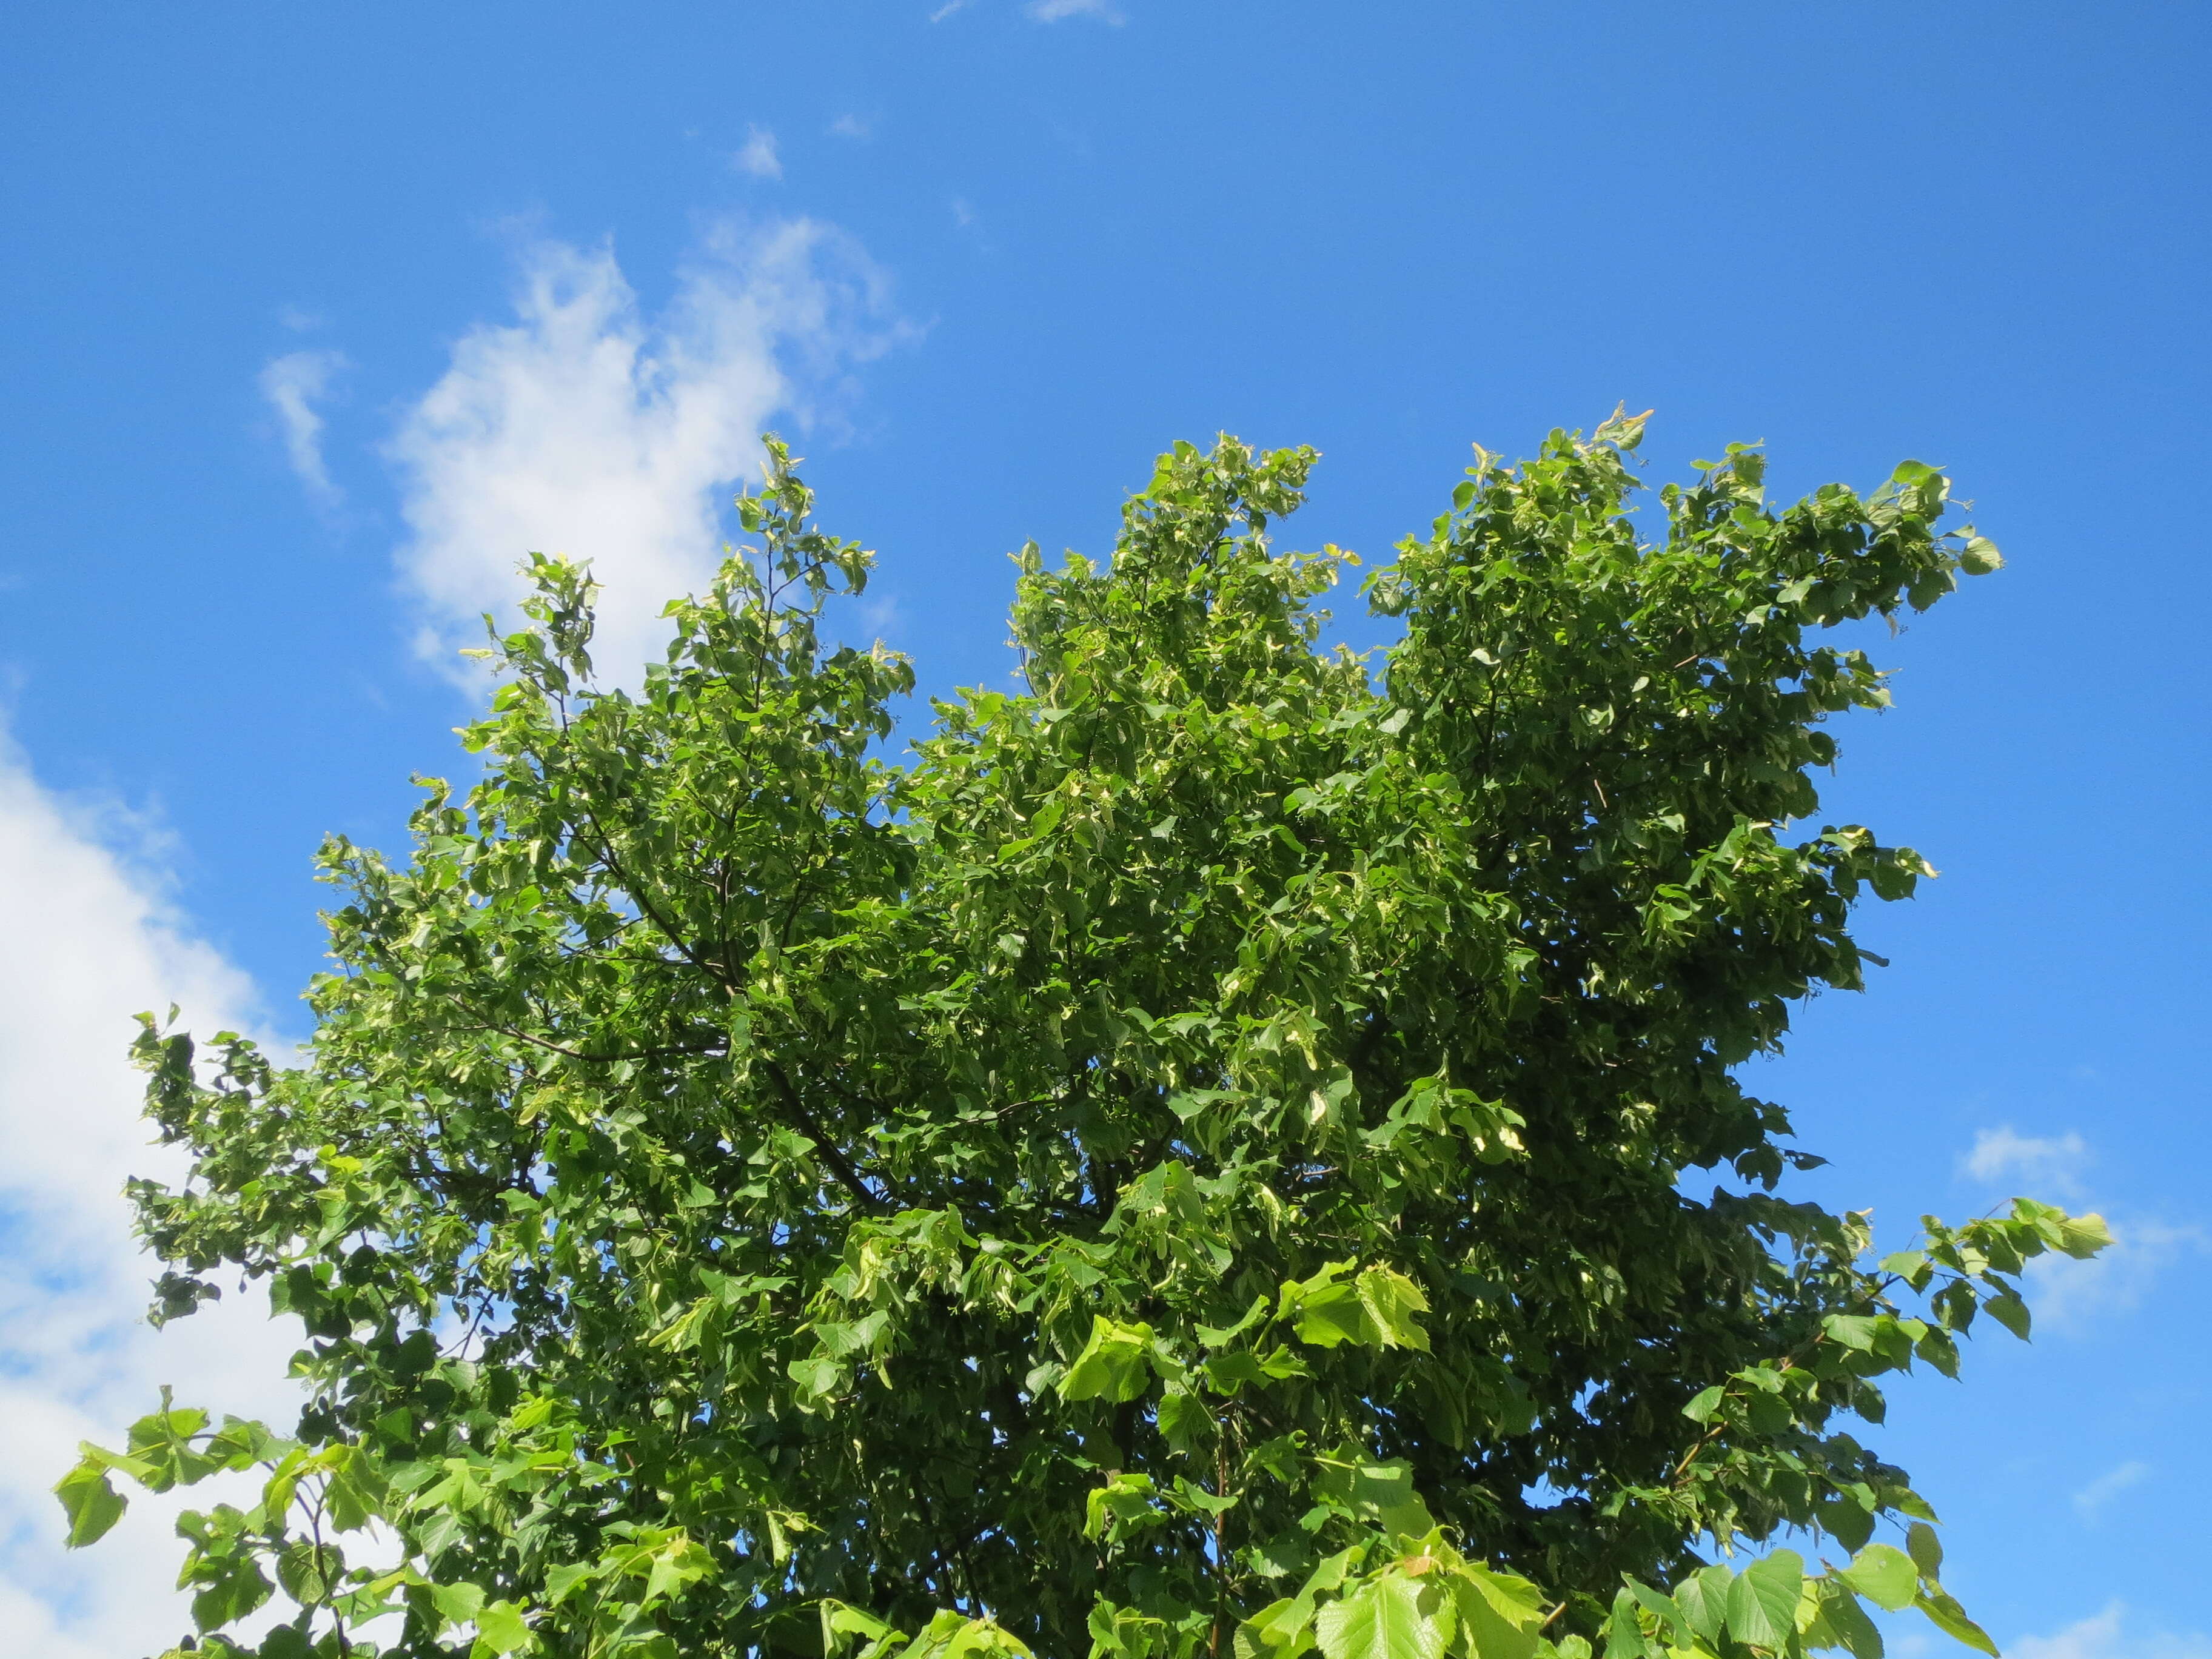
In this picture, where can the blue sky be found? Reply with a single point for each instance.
(318, 318)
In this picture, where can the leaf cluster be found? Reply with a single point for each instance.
(1201, 1157)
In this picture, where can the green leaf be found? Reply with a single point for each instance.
(1911, 1265)
(1112, 1364)
(232, 1585)
(1124, 1505)
(561, 1581)
(1844, 1517)
(1673, 1626)
(1926, 1550)
(458, 1604)
(1330, 1573)
(840, 1622)
(2009, 1311)
(354, 1495)
(678, 1563)
(1213, 1336)
(1980, 556)
(1848, 1620)
(1390, 1300)
(91, 1503)
(1228, 1373)
(1703, 1599)
(308, 1573)
(1185, 1420)
(1261, 1635)
(1937, 1346)
(1705, 1403)
(1885, 1575)
(1284, 1556)
(2083, 1236)
(1383, 1619)
(1378, 1493)
(500, 1629)
(1328, 1310)
(1515, 1599)
(1501, 1616)
(1851, 1330)
(1762, 1602)
(1948, 1616)
(819, 1377)
(1623, 1629)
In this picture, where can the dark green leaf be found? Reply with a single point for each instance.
(2009, 1311)
(1926, 1550)
(1848, 1620)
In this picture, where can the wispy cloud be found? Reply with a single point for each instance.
(91, 937)
(293, 385)
(2105, 1636)
(2089, 1503)
(857, 128)
(1053, 11)
(2070, 1296)
(2067, 1296)
(948, 8)
(757, 156)
(586, 427)
(2002, 1154)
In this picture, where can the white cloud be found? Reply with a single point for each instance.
(1052, 11)
(293, 384)
(855, 127)
(91, 940)
(584, 427)
(757, 156)
(2068, 1296)
(2053, 1161)
(948, 8)
(2089, 1503)
(2104, 1636)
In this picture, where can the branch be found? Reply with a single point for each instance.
(551, 1047)
(832, 1154)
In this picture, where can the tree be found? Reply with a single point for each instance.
(1201, 1159)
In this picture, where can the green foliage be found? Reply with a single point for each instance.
(1202, 1156)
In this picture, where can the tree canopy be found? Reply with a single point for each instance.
(1236, 1147)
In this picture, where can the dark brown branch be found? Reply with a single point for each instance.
(832, 1154)
(551, 1046)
